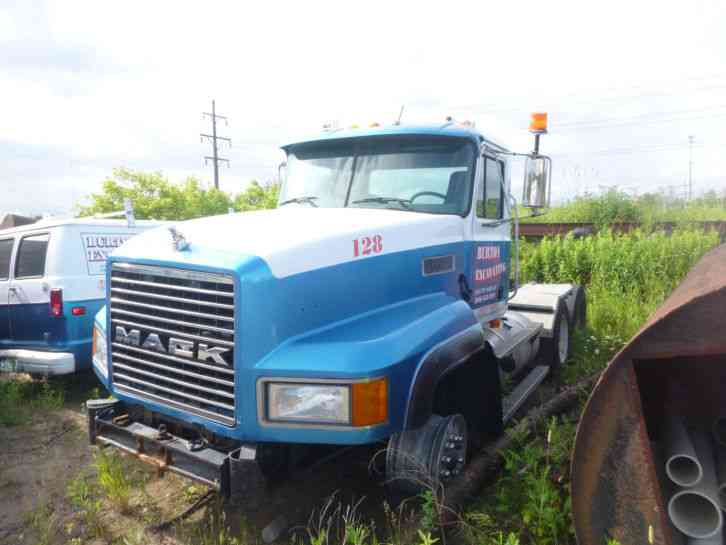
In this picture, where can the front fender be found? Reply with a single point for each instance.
(394, 341)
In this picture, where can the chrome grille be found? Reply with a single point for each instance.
(193, 309)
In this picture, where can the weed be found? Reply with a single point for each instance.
(113, 479)
(213, 529)
(399, 524)
(135, 537)
(425, 538)
(82, 497)
(44, 521)
(531, 496)
(18, 399)
(429, 511)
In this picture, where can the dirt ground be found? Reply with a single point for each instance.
(46, 460)
(43, 459)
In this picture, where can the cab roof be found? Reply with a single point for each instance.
(448, 129)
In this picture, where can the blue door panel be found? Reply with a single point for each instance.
(4, 323)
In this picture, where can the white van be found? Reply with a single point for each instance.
(52, 284)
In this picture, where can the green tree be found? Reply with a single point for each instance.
(155, 197)
(257, 196)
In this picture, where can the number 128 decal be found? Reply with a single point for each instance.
(367, 245)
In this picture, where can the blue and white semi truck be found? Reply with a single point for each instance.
(372, 306)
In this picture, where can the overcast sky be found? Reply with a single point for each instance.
(89, 86)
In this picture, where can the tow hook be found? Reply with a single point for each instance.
(121, 420)
(163, 434)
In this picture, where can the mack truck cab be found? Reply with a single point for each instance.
(374, 305)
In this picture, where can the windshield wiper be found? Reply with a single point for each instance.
(310, 200)
(385, 200)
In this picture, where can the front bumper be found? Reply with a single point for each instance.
(37, 362)
(233, 474)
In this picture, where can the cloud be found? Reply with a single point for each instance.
(95, 85)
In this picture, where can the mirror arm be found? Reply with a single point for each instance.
(279, 171)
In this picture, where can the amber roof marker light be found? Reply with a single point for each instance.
(538, 123)
(538, 127)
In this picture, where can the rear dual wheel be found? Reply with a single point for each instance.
(557, 350)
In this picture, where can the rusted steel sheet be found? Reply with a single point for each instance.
(539, 230)
(675, 363)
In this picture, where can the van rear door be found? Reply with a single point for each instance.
(6, 252)
(31, 323)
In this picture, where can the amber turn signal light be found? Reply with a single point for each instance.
(370, 402)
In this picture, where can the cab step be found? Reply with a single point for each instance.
(523, 390)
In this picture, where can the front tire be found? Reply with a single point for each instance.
(427, 458)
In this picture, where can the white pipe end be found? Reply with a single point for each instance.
(695, 514)
(684, 470)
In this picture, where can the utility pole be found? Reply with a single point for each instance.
(213, 138)
(690, 167)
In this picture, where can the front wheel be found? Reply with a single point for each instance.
(427, 458)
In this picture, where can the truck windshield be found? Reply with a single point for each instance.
(418, 174)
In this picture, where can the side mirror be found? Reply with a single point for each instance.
(281, 172)
(537, 170)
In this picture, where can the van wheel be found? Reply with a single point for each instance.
(557, 350)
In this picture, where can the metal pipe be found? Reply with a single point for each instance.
(719, 436)
(719, 431)
(695, 510)
(715, 540)
(682, 464)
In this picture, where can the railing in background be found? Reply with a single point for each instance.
(539, 230)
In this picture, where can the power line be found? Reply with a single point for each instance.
(603, 96)
(213, 138)
(628, 151)
(643, 119)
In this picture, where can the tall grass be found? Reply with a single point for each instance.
(19, 398)
(627, 275)
(615, 206)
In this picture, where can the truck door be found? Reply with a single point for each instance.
(490, 259)
(6, 252)
(30, 319)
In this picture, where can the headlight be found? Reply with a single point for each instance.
(361, 403)
(308, 403)
(100, 351)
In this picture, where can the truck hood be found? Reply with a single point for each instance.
(296, 239)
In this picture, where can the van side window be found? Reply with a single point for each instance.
(489, 205)
(6, 250)
(31, 256)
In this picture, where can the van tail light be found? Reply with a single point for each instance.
(56, 302)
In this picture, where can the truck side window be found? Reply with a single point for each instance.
(31, 256)
(6, 250)
(489, 205)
